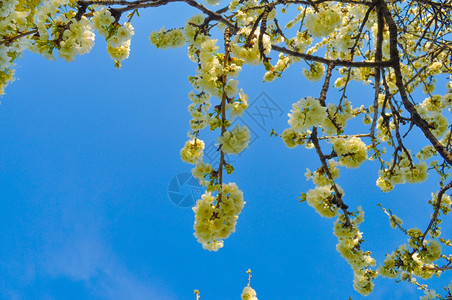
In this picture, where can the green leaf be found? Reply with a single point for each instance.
(302, 197)
(229, 168)
(268, 66)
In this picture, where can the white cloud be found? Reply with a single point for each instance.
(85, 258)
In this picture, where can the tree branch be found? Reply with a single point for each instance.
(336, 62)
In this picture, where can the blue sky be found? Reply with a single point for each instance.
(87, 156)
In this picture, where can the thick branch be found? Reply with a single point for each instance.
(143, 4)
(336, 62)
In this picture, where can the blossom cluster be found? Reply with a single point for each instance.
(305, 113)
(320, 176)
(216, 216)
(201, 171)
(249, 293)
(235, 141)
(338, 115)
(192, 151)
(315, 72)
(431, 110)
(194, 36)
(323, 197)
(276, 71)
(446, 203)
(292, 138)
(118, 36)
(250, 52)
(237, 108)
(323, 22)
(404, 170)
(407, 263)
(164, 39)
(351, 151)
(349, 246)
(60, 30)
(199, 110)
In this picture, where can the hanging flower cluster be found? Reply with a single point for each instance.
(216, 217)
